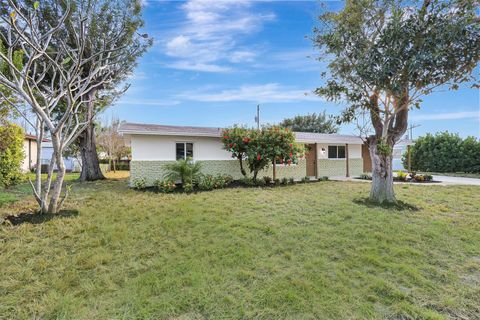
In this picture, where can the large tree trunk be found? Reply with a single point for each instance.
(88, 148)
(382, 176)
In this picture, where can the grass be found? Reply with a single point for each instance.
(322, 252)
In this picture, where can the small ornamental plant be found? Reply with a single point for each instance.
(165, 186)
(268, 180)
(140, 183)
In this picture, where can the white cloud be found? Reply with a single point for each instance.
(202, 67)
(149, 102)
(265, 93)
(448, 116)
(212, 34)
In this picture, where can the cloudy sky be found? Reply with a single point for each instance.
(213, 61)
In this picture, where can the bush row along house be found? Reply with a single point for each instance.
(155, 145)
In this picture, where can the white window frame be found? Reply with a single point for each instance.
(185, 149)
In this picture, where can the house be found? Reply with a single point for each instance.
(30, 153)
(154, 145)
(71, 164)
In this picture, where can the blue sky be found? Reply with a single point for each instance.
(213, 61)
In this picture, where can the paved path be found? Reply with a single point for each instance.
(457, 180)
(442, 180)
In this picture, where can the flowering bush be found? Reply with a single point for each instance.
(206, 182)
(236, 141)
(165, 186)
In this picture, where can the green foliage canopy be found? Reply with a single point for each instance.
(11, 153)
(319, 123)
(260, 148)
(445, 152)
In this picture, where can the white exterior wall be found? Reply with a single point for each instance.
(162, 148)
(27, 155)
(354, 150)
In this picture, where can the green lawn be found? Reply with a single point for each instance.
(313, 251)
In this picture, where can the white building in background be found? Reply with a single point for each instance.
(399, 150)
(71, 164)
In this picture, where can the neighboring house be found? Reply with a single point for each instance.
(30, 153)
(399, 150)
(154, 145)
(71, 164)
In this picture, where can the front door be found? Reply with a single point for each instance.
(311, 157)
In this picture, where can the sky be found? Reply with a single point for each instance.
(213, 61)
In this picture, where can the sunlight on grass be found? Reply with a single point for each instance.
(307, 251)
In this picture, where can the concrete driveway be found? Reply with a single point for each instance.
(457, 180)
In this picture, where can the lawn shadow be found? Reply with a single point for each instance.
(399, 206)
(36, 218)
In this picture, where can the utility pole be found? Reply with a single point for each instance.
(257, 118)
(411, 130)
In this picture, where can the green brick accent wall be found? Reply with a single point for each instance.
(153, 170)
(332, 168)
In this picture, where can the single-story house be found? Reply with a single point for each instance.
(155, 145)
(30, 153)
(71, 164)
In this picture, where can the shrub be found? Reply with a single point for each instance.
(11, 154)
(324, 178)
(260, 183)
(291, 180)
(444, 152)
(188, 187)
(185, 170)
(248, 182)
(165, 186)
(206, 182)
(305, 179)
(277, 182)
(401, 176)
(268, 180)
(365, 176)
(221, 181)
(284, 181)
(140, 183)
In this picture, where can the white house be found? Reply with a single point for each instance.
(154, 145)
(71, 164)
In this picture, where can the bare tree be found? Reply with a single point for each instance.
(111, 142)
(56, 79)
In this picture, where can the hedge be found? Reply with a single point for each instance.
(445, 152)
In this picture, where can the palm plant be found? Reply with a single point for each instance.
(184, 170)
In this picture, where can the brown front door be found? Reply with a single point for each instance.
(367, 161)
(311, 157)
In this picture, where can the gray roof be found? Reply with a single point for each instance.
(162, 130)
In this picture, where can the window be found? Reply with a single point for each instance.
(336, 152)
(184, 150)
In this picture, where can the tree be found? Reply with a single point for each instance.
(57, 78)
(319, 123)
(385, 55)
(236, 140)
(112, 143)
(11, 153)
(116, 20)
(280, 147)
(260, 148)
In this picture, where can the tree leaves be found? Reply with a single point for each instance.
(36, 5)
